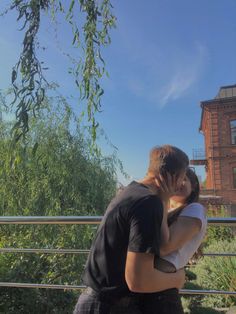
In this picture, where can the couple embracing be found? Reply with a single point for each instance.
(149, 232)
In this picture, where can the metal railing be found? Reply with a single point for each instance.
(199, 154)
(62, 220)
(80, 220)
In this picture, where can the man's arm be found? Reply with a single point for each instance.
(180, 232)
(167, 187)
(141, 276)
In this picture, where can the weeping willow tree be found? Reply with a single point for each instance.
(61, 177)
(90, 22)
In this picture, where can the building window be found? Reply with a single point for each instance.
(234, 178)
(233, 131)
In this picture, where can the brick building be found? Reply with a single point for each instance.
(218, 125)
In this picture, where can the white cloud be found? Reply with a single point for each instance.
(185, 77)
(163, 83)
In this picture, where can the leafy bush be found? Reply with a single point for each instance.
(215, 273)
(218, 233)
(55, 174)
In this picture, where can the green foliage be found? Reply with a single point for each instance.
(204, 310)
(90, 22)
(59, 175)
(28, 91)
(218, 233)
(214, 273)
(218, 272)
(190, 275)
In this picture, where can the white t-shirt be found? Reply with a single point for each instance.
(180, 258)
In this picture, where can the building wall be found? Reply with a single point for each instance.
(220, 153)
(211, 133)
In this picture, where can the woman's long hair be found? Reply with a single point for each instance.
(194, 196)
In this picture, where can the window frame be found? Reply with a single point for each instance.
(234, 177)
(231, 132)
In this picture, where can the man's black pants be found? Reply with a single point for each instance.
(165, 302)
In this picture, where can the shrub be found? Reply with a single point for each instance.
(217, 273)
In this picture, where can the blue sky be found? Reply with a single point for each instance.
(165, 57)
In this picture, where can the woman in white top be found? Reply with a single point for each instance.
(183, 229)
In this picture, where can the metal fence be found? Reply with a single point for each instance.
(62, 220)
(199, 154)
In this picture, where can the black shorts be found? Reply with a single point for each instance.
(89, 303)
(165, 302)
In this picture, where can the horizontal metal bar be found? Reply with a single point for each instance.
(44, 220)
(229, 221)
(77, 251)
(41, 286)
(220, 254)
(207, 292)
(81, 287)
(44, 251)
(222, 221)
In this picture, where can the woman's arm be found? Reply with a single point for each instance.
(180, 232)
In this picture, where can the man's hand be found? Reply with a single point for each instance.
(167, 186)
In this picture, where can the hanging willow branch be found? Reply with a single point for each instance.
(94, 34)
(28, 78)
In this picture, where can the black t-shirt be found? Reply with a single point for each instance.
(131, 222)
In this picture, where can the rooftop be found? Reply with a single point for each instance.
(226, 92)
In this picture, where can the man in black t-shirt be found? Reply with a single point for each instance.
(120, 266)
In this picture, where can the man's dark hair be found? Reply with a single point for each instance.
(167, 158)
